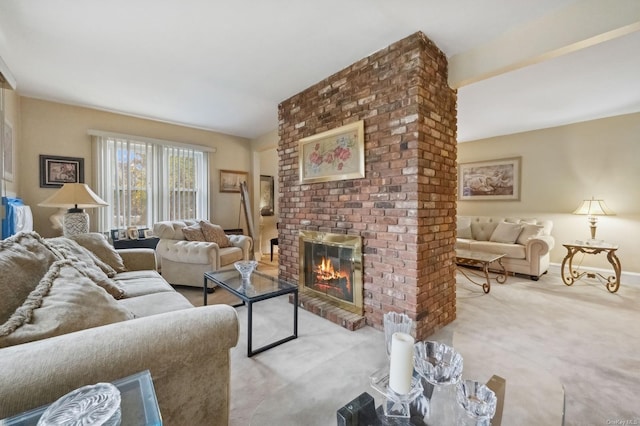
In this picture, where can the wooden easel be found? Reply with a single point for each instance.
(246, 204)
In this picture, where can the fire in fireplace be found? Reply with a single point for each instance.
(331, 268)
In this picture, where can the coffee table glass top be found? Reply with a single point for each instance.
(478, 255)
(260, 285)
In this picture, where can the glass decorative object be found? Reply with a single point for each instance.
(246, 268)
(478, 403)
(395, 322)
(441, 366)
(96, 405)
(395, 404)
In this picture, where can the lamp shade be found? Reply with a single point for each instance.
(594, 207)
(74, 195)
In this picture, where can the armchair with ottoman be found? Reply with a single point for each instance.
(187, 249)
(71, 316)
(525, 242)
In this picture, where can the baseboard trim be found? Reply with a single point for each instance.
(626, 278)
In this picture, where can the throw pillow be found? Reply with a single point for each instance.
(24, 259)
(98, 245)
(65, 300)
(483, 231)
(193, 233)
(506, 233)
(529, 231)
(214, 234)
(465, 233)
(89, 263)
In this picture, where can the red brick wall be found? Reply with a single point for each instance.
(405, 206)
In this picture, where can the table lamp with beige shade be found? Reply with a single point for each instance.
(593, 208)
(75, 197)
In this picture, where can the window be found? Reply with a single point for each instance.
(147, 180)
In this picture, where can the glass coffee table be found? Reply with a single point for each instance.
(260, 287)
(482, 261)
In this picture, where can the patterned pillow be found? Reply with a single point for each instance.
(214, 234)
(193, 233)
(65, 300)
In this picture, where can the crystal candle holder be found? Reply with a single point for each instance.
(395, 404)
(395, 322)
(477, 401)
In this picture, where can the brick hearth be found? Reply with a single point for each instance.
(404, 208)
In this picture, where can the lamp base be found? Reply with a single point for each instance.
(75, 222)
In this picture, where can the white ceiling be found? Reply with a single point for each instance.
(225, 65)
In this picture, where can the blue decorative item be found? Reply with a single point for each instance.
(17, 217)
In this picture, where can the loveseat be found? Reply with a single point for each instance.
(70, 317)
(187, 249)
(525, 242)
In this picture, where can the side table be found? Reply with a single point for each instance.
(588, 247)
(139, 406)
(150, 242)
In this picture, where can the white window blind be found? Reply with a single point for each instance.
(147, 181)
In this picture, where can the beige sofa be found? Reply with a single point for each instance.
(184, 262)
(525, 242)
(76, 332)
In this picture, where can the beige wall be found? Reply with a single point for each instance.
(561, 166)
(58, 129)
(12, 116)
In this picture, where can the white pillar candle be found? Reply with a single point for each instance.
(401, 367)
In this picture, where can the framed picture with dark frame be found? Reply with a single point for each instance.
(56, 171)
(266, 196)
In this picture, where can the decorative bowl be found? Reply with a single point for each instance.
(477, 400)
(97, 405)
(438, 363)
(246, 267)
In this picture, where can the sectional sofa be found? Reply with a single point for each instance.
(77, 312)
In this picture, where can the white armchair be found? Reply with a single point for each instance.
(184, 262)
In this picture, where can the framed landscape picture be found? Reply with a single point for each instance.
(56, 171)
(490, 180)
(266, 195)
(230, 180)
(336, 154)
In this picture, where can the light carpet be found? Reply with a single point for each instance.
(542, 337)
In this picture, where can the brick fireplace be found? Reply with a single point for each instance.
(404, 208)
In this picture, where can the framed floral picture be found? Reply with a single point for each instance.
(336, 154)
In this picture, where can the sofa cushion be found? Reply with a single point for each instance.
(529, 231)
(172, 229)
(514, 251)
(155, 303)
(228, 255)
(138, 283)
(98, 244)
(24, 260)
(214, 234)
(89, 263)
(65, 300)
(506, 233)
(482, 230)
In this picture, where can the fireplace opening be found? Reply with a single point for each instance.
(331, 268)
